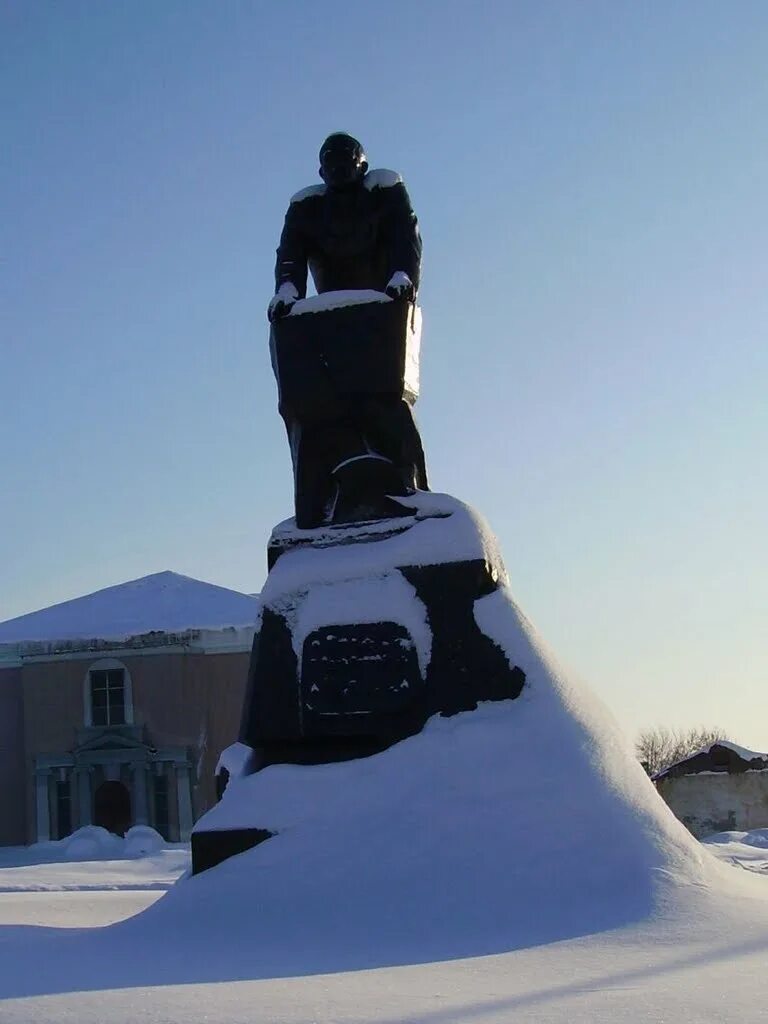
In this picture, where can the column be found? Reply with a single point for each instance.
(139, 794)
(84, 797)
(184, 799)
(73, 780)
(43, 807)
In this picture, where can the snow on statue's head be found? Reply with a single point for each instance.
(342, 161)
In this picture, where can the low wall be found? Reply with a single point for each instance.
(718, 801)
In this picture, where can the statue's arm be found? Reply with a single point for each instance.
(405, 239)
(291, 265)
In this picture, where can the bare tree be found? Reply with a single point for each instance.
(658, 748)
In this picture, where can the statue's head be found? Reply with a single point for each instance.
(342, 161)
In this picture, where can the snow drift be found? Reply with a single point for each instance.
(520, 823)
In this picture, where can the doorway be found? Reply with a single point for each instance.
(112, 807)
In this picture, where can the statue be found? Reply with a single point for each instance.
(356, 447)
(381, 605)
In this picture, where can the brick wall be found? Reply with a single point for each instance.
(12, 790)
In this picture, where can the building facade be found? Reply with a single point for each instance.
(124, 731)
(723, 788)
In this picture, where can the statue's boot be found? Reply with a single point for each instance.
(364, 488)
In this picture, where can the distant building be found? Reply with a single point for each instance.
(114, 707)
(722, 788)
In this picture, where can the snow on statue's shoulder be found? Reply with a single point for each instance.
(307, 193)
(381, 178)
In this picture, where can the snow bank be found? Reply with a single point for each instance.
(92, 842)
(508, 827)
(92, 860)
(747, 850)
(520, 823)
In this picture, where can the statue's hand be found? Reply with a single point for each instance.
(277, 309)
(400, 286)
(281, 303)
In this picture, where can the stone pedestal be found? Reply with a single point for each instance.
(374, 635)
(365, 633)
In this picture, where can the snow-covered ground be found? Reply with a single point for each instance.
(85, 863)
(508, 864)
(41, 869)
(741, 849)
(656, 972)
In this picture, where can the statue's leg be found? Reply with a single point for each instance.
(390, 429)
(368, 476)
(311, 476)
(325, 452)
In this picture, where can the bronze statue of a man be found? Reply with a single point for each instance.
(356, 231)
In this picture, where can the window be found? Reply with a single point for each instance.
(108, 696)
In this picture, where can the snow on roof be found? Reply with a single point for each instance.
(164, 601)
(742, 752)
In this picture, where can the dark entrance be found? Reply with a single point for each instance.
(112, 807)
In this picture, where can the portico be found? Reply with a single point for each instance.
(156, 784)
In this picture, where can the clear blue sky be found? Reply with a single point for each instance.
(591, 184)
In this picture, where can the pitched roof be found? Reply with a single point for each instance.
(720, 756)
(164, 601)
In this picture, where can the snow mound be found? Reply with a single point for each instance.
(141, 840)
(512, 826)
(747, 850)
(520, 823)
(92, 842)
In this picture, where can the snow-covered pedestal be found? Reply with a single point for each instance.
(364, 633)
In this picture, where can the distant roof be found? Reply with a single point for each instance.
(164, 601)
(720, 756)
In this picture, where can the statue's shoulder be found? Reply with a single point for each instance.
(380, 177)
(308, 193)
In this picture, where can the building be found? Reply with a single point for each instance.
(721, 788)
(114, 707)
